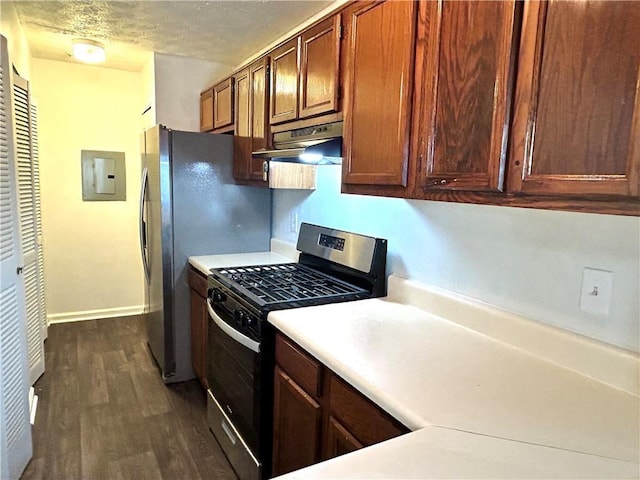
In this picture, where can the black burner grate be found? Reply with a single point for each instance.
(287, 282)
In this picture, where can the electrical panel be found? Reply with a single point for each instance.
(103, 176)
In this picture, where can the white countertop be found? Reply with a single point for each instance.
(281, 252)
(205, 262)
(434, 452)
(427, 371)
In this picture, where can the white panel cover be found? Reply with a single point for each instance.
(15, 434)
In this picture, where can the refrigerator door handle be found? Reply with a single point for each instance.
(143, 224)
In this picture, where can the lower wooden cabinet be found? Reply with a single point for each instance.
(296, 424)
(199, 314)
(339, 440)
(317, 415)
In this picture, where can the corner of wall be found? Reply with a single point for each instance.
(148, 99)
(11, 28)
(177, 95)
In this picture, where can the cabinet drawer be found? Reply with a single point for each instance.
(302, 368)
(198, 282)
(365, 420)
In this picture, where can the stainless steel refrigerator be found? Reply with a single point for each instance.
(189, 205)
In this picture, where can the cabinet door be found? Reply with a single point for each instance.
(206, 110)
(199, 337)
(378, 92)
(223, 104)
(259, 88)
(339, 440)
(320, 68)
(296, 426)
(577, 113)
(251, 124)
(242, 136)
(284, 83)
(462, 106)
(199, 325)
(362, 418)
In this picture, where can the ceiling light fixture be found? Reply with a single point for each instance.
(88, 51)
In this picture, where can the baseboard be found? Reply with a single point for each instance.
(95, 314)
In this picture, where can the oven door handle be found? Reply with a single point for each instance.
(232, 332)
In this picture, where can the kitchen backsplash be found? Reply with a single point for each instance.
(526, 261)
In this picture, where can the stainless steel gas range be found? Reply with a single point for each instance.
(334, 266)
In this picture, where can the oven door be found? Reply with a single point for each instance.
(234, 402)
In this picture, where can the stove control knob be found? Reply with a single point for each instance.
(244, 318)
(218, 296)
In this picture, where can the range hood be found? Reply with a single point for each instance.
(317, 145)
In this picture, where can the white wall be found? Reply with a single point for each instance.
(11, 28)
(148, 105)
(526, 261)
(178, 83)
(92, 253)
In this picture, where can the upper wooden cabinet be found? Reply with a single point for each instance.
(320, 68)
(223, 104)
(206, 110)
(464, 69)
(576, 127)
(251, 125)
(531, 104)
(378, 91)
(305, 74)
(284, 83)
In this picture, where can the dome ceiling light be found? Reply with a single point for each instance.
(88, 51)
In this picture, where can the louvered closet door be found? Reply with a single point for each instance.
(35, 160)
(15, 433)
(28, 232)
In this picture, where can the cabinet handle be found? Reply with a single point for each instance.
(265, 170)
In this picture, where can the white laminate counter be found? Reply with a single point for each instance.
(434, 452)
(429, 372)
(205, 262)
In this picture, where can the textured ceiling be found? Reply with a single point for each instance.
(220, 31)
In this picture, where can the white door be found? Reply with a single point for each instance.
(28, 226)
(35, 164)
(15, 433)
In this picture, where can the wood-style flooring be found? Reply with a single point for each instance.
(104, 413)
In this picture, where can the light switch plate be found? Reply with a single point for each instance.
(597, 289)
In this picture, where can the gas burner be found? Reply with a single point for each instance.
(285, 282)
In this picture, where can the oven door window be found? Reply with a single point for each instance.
(234, 380)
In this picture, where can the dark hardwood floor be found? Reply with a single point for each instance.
(104, 413)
